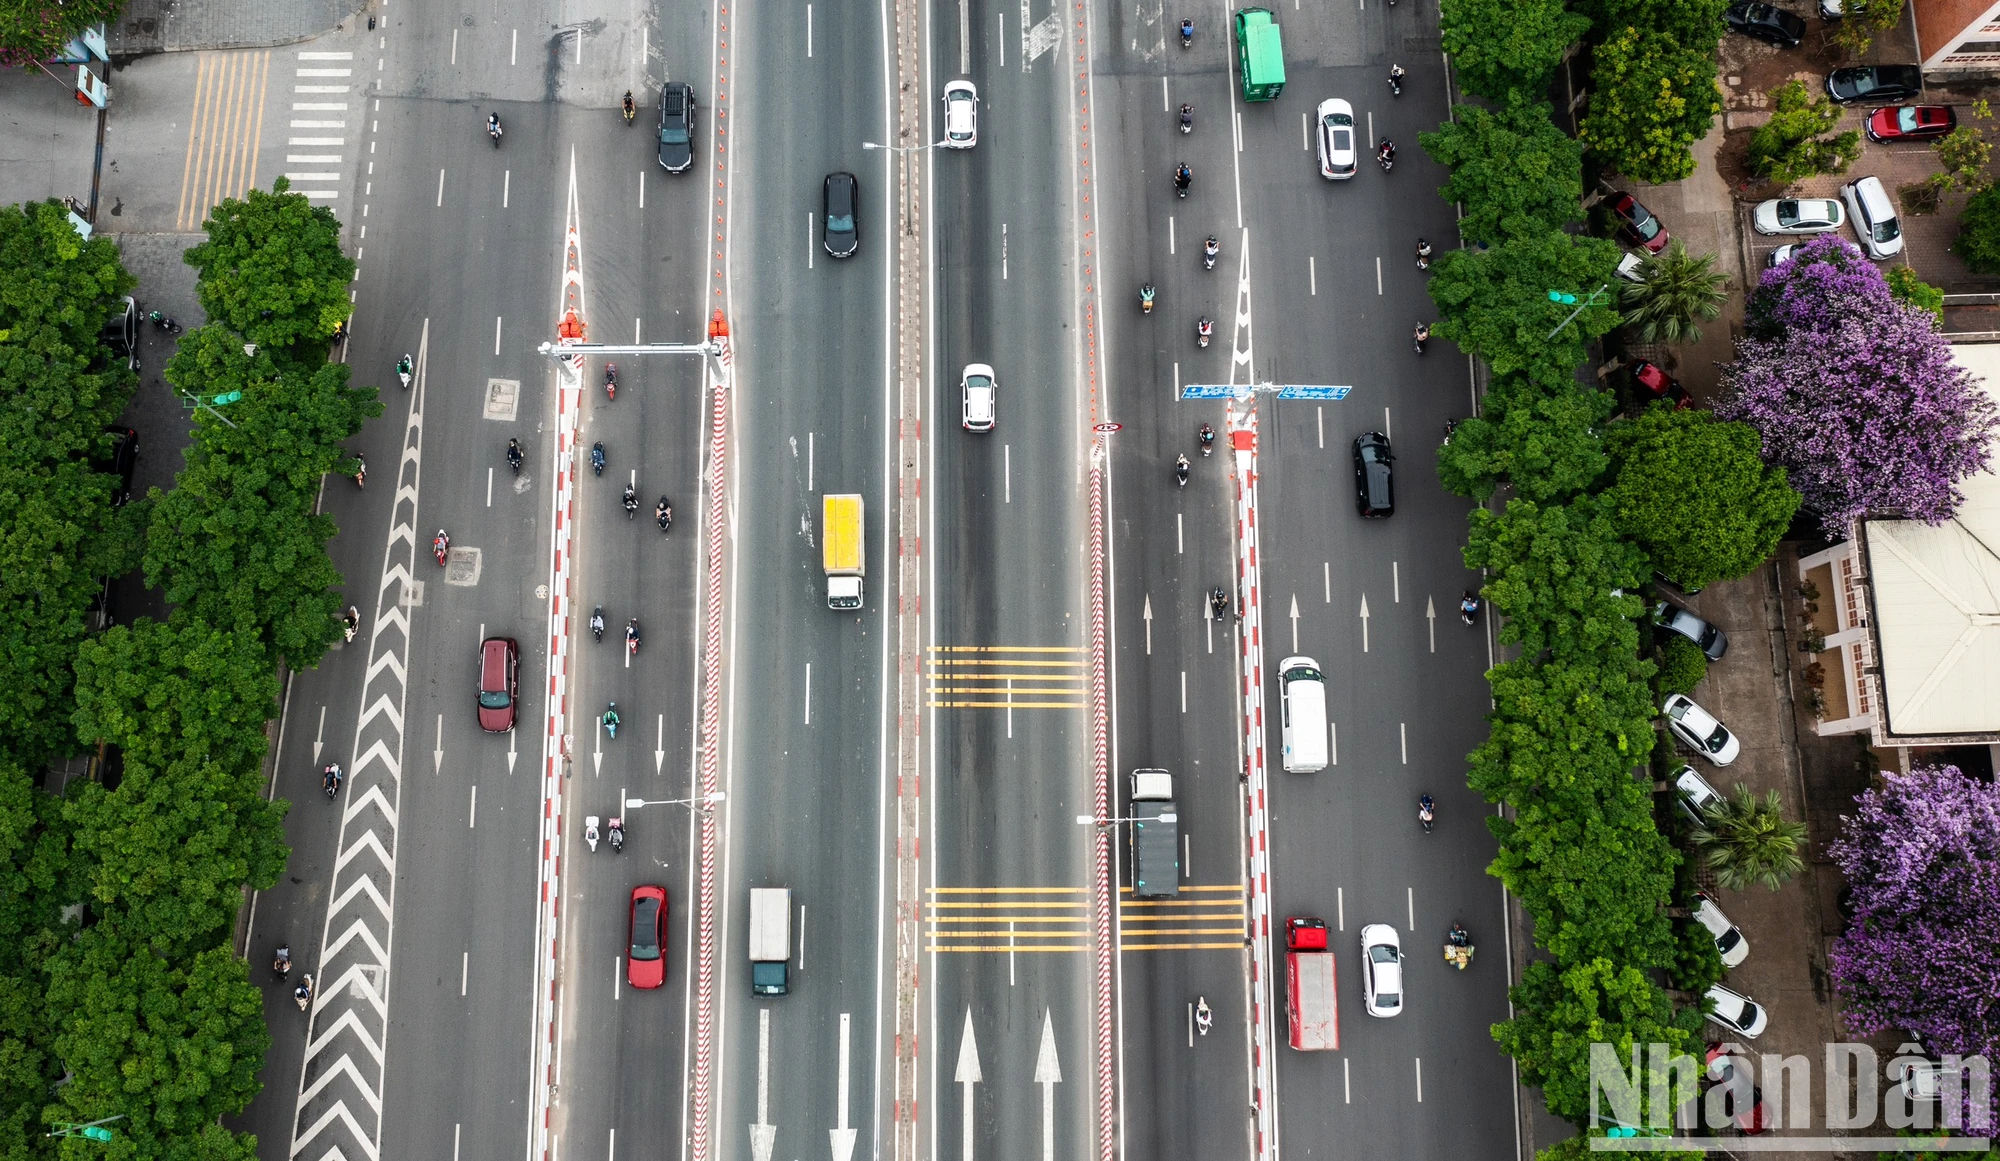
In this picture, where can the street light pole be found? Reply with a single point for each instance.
(700, 805)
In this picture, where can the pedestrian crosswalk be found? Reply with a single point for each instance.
(1008, 677)
(1030, 920)
(226, 128)
(316, 147)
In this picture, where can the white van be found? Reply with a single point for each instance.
(1302, 713)
(1874, 217)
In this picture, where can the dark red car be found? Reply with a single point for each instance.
(1654, 379)
(1636, 224)
(1750, 1116)
(1911, 123)
(499, 661)
(646, 960)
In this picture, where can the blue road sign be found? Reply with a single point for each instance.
(1244, 390)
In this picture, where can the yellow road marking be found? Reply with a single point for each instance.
(225, 129)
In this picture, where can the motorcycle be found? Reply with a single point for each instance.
(1450, 426)
(1206, 437)
(1203, 330)
(1218, 600)
(631, 501)
(616, 834)
(590, 831)
(663, 514)
(281, 964)
(1396, 80)
(1421, 336)
(403, 368)
(1187, 34)
(1426, 812)
(1187, 118)
(631, 110)
(610, 381)
(1209, 250)
(303, 994)
(632, 636)
(1181, 470)
(360, 471)
(1458, 947)
(1423, 254)
(493, 128)
(1386, 158)
(162, 322)
(514, 455)
(597, 622)
(1183, 178)
(1203, 1017)
(611, 720)
(597, 458)
(1468, 608)
(350, 622)
(330, 779)
(441, 547)
(1146, 295)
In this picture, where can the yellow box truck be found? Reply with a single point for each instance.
(841, 541)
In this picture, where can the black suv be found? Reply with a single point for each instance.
(1876, 84)
(676, 126)
(842, 239)
(1765, 22)
(1374, 492)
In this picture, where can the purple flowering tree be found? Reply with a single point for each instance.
(1922, 947)
(1854, 393)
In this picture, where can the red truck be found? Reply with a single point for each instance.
(1313, 1017)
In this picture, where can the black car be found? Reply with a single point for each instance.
(123, 462)
(1374, 493)
(1881, 84)
(1766, 22)
(121, 332)
(842, 192)
(676, 126)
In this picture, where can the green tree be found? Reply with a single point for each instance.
(32, 31)
(1978, 241)
(1495, 303)
(1860, 21)
(1696, 964)
(272, 270)
(1679, 291)
(1563, 732)
(1499, 47)
(1546, 445)
(1964, 154)
(1560, 1012)
(1578, 1148)
(1696, 495)
(1906, 287)
(1793, 145)
(1515, 173)
(1562, 576)
(1692, 22)
(1655, 98)
(1682, 665)
(1745, 840)
(58, 388)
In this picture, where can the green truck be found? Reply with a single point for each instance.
(1260, 54)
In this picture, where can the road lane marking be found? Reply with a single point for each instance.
(1420, 1080)
(1312, 273)
(1183, 691)
(1326, 578)
(472, 812)
(464, 970)
(1170, 235)
(969, 682)
(1388, 429)
(1378, 275)
(763, 1132)
(225, 127)
(1007, 473)
(1411, 896)
(1396, 579)
(1403, 738)
(1340, 909)
(1048, 1074)
(1166, 102)
(809, 31)
(842, 1137)
(506, 184)
(1180, 538)
(1319, 418)
(1333, 743)
(809, 693)
(513, 52)
(440, 195)
(454, 46)
(1207, 917)
(1346, 1080)
(496, 333)
(966, 1074)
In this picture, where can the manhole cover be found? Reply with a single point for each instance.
(461, 568)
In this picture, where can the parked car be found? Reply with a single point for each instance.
(1797, 216)
(1736, 1012)
(676, 126)
(1629, 265)
(1831, 10)
(1911, 123)
(1887, 83)
(1374, 488)
(1765, 22)
(1874, 217)
(1381, 970)
(1920, 1080)
(961, 115)
(1337, 151)
(1780, 256)
(1750, 1118)
(1654, 379)
(1699, 729)
(1729, 942)
(1674, 619)
(121, 331)
(1636, 224)
(499, 662)
(123, 461)
(976, 391)
(646, 957)
(841, 192)
(1693, 792)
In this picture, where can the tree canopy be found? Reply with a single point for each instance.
(1560, 1013)
(1655, 97)
(1696, 495)
(272, 270)
(1517, 175)
(1547, 446)
(1495, 303)
(1504, 47)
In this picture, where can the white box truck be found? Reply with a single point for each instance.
(770, 940)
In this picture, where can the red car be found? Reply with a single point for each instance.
(646, 961)
(499, 661)
(1636, 224)
(1750, 1120)
(1911, 123)
(1660, 385)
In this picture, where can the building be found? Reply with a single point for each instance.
(1958, 35)
(1911, 615)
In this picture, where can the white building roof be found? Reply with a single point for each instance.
(1936, 596)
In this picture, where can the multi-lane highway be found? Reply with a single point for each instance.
(416, 892)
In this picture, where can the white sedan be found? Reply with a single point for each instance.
(1700, 730)
(961, 115)
(976, 392)
(1381, 970)
(1798, 216)
(1338, 154)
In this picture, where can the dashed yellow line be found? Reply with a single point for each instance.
(1207, 917)
(1008, 677)
(225, 127)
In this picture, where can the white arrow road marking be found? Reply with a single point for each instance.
(1048, 1074)
(660, 744)
(512, 753)
(318, 734)
(437, 748)
(597, 756)
(1295, 622)
(967, 1074)
(842, 1136)
(1364, 622)
(1147, 615)
(1431, 615)
(763, 1134)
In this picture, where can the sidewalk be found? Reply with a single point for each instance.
(149, 26)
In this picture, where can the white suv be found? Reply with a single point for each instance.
(1874, 217)
(1698, 729)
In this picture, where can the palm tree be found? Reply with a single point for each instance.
(1678, 291)
(1745, 840)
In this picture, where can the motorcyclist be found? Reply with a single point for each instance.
(611, 719)
(1183, 177)
(1146, 295)
(597, 622)
(1205, 330)
(663, 514)
(1422, 335)
(303, 994)
(282, 961)
(493, 125)
(1423, 254)
(350, 622)
(403, 369)
(329, 779)
(1396, 75)
(630, 109)
(1468, 607)
(1218, 599)
(1181, 468)
(1386, 150)
(1426, 811)
(1187, 30)
(1207, 437)
(514, 454)
(1203, 1017)
(1209, 250)
(1187, 117)
(631, 500)
(632, 634)
(597, 457)
(616, 834)
(441, 543)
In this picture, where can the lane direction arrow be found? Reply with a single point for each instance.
(1364, 622)
(967, 1074)
(842, 1136)
(763, 1134)
(660, 744)
(437, 750)
(1148, 615)
(1048, 1074)
(597, 756)
(1295, 622)
(511, 753)
(319, 734)
(1431, 615)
